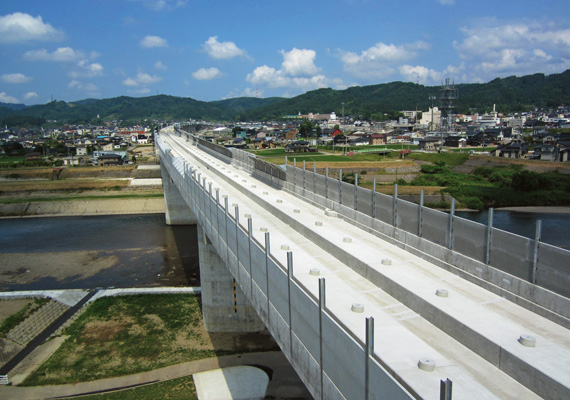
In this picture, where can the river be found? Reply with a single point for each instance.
(96, 251)
(555, 227)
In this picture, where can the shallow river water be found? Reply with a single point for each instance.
(96, 251)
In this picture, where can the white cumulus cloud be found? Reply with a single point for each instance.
(492, 48)
(15, 78)
(162, 5)
(153, 41)
(299, 62)
(298, 72)
(142, 79)
(5, 98)
(86, 70)
(380, 60)
(159, 65)
(30, 95)
(62, 54)
(425, 75)
(204, 74)
(222, 50)
(20, 27)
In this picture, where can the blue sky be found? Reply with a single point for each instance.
(218, 49)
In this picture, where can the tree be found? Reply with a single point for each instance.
(306, 127)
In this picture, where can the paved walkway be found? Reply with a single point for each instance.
(283, 383)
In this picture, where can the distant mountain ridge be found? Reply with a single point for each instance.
(509, 94)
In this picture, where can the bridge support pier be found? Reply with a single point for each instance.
(224, 306)
(177, 211)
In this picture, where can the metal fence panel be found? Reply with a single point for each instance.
(470, 238)
(364, 201)
(435, 225)
(384, 386)
(258, 266)
(332, 188)
(232, 242)
(511, 253)
(243, 251)
(278, 289)
(305, 320)
(384, 208)
(407, 216)
(347, 194)
(343, 360)
(553, 269)
(298, 175)
(289, 171)
(321, 185)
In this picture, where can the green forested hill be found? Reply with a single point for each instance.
(509, 94)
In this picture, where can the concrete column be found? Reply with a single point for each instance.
(224, 306)
(177, 211)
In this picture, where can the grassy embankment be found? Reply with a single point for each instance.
(130, 334)
(25, 184)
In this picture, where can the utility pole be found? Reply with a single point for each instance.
(432, 98)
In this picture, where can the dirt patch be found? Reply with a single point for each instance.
(104, 331)
(11, 307)
(22, 268)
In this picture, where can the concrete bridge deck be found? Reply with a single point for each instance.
(472, 336)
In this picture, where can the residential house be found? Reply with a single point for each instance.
(429, 144)
(376, 139)
(455, 141)
(545, 152)
(110, 159)
(515, 149)
(299, 146)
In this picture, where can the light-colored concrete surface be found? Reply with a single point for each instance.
(34, 360)
(146, 182)
(86, 207)
(153, 167)
(478, 349)
(232, 383)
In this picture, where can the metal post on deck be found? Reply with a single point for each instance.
(250, 241)
(450, 225)
(314, 177)
(322, 306)
(374, 199)
(267, 257)
(326, 182)
(445, 389)
(294, 172)
(537, 239)
(395, 206)
(236, 209)
(289, 281)
(217, 210)
(369, 354)
(420, 213)
(340, 187)
(489, 234)
(355, 191)
(304, 173)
